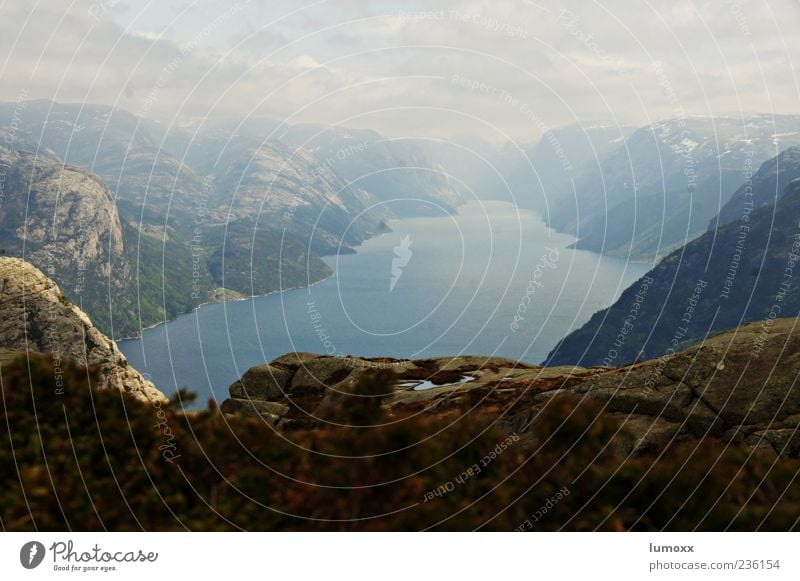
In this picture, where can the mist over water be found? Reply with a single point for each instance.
(489, 280)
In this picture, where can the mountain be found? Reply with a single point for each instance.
(743, 271)
(64, 221)
(543, 178)
(389, 169)
(96, 137)
(273, 186)
(666, 182)
(764, 189)
(124, 150)
(35, 317)
(131, 275)
(180, 237)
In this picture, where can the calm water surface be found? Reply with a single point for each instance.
(491, 280)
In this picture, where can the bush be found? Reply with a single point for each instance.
(76, 458)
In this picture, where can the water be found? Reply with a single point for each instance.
(418, 385)
(491, 280)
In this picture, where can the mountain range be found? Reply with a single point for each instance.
(744, 270)
(191, 213)
(139, 222)
(641, 194)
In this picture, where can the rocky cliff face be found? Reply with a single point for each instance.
(193, 198)
(60, 212)
(390, 169)
(36, 317)
(738, 386)
(273, 185)
(64, 221)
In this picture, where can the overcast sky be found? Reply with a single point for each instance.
(496, 68)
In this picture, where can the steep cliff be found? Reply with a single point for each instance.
(36, 317)
(743, 271)
(64, 221)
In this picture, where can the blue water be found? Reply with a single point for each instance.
(490, 280)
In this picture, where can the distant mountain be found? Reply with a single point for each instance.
(389, 169)
(97, 137)
(274, 186)
(129, 274)
(543, 178)
(746, 270)
(661, 187)
(124, 150)
(181, 232)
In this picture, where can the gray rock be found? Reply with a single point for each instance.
(35, 317)
(264, 382)
(268, 410)
(315, 375)
(721, 388)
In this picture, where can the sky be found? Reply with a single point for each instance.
(499, 69)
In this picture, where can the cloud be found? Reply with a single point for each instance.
(501, 67)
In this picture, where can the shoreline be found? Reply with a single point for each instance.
(140, 336)
(205, 304)
(149, 352)
(247, 298)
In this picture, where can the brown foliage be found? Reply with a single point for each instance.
(83, 459)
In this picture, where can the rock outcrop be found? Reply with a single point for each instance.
(36, 317)
(738, 386)
(65, 216)
(64, 221)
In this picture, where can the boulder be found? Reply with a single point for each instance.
(264, 382)
(270, 411)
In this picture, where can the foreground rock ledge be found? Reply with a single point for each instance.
(739, 386)
(35, 317)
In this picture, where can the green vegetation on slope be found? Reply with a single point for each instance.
(170, 278)
(260, 261)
